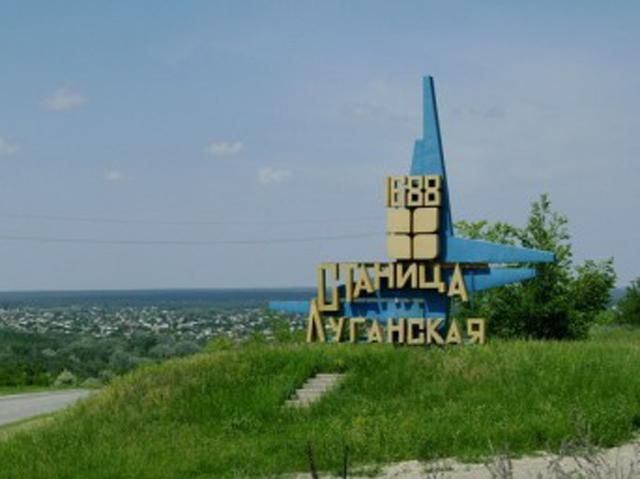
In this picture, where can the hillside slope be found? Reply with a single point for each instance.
(219, 414)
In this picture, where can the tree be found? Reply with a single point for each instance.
(66, 378)
(121, 362)
(186, 348)
(562, 301)
(162, 351)
(629, 305)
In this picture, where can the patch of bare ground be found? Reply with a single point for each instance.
(574, 461)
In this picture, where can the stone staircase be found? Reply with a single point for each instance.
(313, 389)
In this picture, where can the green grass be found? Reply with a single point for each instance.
(8, 430)
(6, 390)
(220, 415)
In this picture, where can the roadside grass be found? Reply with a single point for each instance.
(7, 390)
(11, 390)
(8, 430)
(220, 414)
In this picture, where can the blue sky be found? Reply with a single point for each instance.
(224, 121)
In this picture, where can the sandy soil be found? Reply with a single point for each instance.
(619, 463)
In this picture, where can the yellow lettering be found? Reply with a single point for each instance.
(432, 196)
(348, 282)
(396, 329)
(406, 273)
(337, 325)
(476, 330)
(395, 195)
(364, 281)
(457, 286)
(322, 305)
(414, 190)
(433, 336)
(383, 271)
(415, 331)
(435, 282)
(315, 328)
(453, 335)
(353, 328)
(375, 334)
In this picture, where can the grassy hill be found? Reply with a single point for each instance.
(219, 414)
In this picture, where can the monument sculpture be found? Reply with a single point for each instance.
(408, 299)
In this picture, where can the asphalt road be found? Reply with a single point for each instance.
(22, 406)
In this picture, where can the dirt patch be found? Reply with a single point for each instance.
(620, 462)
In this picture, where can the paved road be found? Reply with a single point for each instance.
(23, 406)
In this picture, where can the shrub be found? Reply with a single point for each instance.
(220, 343)
(186, 348)
(106, 376)
(162, 351)
(629, 305)
(91, 383)
(66, 378)
(562, 301)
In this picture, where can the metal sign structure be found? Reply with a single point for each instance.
(429, 266)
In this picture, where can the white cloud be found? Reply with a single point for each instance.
(64, 99)
(374, 111)
(267, 176)
(7, 148)
(114, 175)
(383, 102)
(224, 148)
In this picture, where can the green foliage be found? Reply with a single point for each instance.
(162, 351)
(256, 337)
(24, 359)
(562, 302)
(186, 348)
(283, 333)
(498, 232)
(607, 317)
(34, 359)
(106, 376)
(220, 414)
(91, 383)
(66, 378)
(629, 305)
(220, 343)
(121, 361)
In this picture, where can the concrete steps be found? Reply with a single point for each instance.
(313, 389)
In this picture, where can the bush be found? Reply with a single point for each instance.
(66, 378)
(121, 362)
(186, 348)
(91, 383)
(162, 351)
(283, 331)
(106, 376)
(629, 305)
(561, 302)
(606, 318)
(220, 343)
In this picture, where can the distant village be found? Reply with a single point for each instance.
(199, 324)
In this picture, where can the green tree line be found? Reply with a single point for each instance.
(564, 300)
(32, 359)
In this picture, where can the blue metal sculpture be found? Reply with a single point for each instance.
(483, 265)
